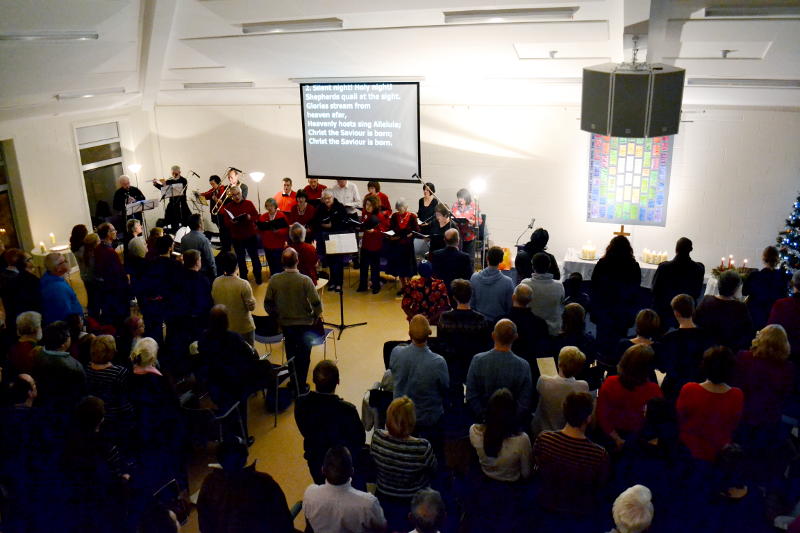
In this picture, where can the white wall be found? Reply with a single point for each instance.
(735, 172)
(51, 192)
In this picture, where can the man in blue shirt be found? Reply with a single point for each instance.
(491, 289)
(421, 375)
(196, 240)
(499, 368)
(58, 298)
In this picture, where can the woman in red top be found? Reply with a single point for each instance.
(402, 262)
(621, 400)
(465, 208)
(374, 224)
(709, 412)
(274, 229)
(374, 188)
(303, 213)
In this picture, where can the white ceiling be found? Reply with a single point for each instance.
(152, 47)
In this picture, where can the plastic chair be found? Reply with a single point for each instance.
(388, 346)
(268, 333)
(317, 340)
(282, 373)
(203, 422)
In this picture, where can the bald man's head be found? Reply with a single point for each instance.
(505, 332)
(289, 258)
(451, 237)
(419, 329)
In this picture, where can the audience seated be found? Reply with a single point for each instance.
(326, 421)
(405, 464)
(21, 354)
(709, 412)
(680, 351)
(681, 275)
(422, 376)
(764, 287)
(462, 333)
(450, 263)
(499, 368)
(633, 510)
(491, 289)
(427, 512)
(786, 312)
(58, 299)
(503, 451)
(621, 399)
(109, 383)
(60, 379)
(334, 505)
(549, 415)
(725, 318)
(615, 291)
(425, 295)
(236, 295)
(573, 470)
(240, 498)
(548, 294)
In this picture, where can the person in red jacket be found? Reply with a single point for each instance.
(307, 258)
(314, 191)
(303, 213)
(111, 276)
(709, 412)
(240, 217)
(374, 223)
(374, 188)
(274, 229)
(621, 399)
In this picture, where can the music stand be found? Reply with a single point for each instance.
(341, 244)
(140, 207)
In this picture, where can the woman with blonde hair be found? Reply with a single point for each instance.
(405, 464)
(766, 376)
(109, 382)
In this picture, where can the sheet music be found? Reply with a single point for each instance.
(341, 243)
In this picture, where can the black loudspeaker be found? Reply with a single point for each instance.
(624, 102)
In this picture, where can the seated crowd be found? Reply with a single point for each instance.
(100, 412)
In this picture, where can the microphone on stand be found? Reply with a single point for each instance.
(195, 174)
(530, 226)
(236, 169)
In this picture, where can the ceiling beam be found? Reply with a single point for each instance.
(157, 18)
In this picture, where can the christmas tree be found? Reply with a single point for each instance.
(789, 240)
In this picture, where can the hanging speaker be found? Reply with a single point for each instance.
(622, 101)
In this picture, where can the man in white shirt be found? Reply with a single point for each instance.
(338, 507)
(347, 194)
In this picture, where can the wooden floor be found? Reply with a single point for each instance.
(279, 450)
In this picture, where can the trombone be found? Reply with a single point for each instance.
(221, 201)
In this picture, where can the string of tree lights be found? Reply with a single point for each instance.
(789, 239)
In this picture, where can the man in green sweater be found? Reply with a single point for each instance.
(294, 301)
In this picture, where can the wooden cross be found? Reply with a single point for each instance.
(622, 231)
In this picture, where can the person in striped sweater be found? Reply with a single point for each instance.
(573, 469)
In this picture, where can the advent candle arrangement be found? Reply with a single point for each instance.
(653, 257)
(729, 263)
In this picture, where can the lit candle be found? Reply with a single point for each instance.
(730, 261)
(745, 264)
(41, 246)
(722, 264)
(52, 238)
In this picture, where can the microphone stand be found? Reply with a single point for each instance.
(415, 175)
(530, 226)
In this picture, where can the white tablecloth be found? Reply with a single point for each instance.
(38, 259)
(712, 288)
(573, 263)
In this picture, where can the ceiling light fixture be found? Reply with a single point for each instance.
(73, 95)
(220, 85)
(752, 11)
(494, 16)
(48, 35)
(744, 82)
(277, 26)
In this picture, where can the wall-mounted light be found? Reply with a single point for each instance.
(135, 167)
(281, 26)
(494, 16)
(220, 85)
(477, 186)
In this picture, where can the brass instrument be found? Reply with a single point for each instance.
(221, 201)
